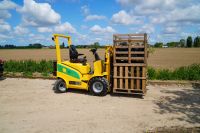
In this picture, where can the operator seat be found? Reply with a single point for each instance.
(73, 54)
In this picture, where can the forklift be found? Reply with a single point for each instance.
(76, 73)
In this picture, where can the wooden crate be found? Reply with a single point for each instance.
(129, 63)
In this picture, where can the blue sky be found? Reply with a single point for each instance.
(34, 21)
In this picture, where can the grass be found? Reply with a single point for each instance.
(28, 67)
(191, 72)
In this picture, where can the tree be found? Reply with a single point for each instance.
(182, 42)
(173, 44)
(197, 42)
(189, 42)
(158, 45)
(96, 45)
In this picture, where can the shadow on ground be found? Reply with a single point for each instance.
(185, 101)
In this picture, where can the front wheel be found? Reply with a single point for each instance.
(60, 86)
(98, 86)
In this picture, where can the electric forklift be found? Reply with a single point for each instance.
(76, 73)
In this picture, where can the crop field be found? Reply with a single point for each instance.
(160, 58)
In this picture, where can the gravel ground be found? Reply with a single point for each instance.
(31, 106)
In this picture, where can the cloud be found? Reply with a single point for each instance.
(147, 28)
(171, 30)
(7, 4)
(122, 17)
(65, 28)
(38, 14)
(99, 30)
(19, 30)
(4, 14)
(85, 10)
(189, 14)
(94, 17)
(4, 27)
(44, 29)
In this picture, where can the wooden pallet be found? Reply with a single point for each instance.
(129, 78)
(129, 62)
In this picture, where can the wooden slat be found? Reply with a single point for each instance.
(132, 75)
(128, 35)
(137, 52)
(129, 54)
(121, 75)
(132, 46)
(114, 50)
(121, 58)
(136, 58)
(125, 40)
(138, 75)
(115, 80)
(122, 52)
(132, 58)
(144, 81)
(132, 64)
(128, 89)
(126, 79)
(120, 46)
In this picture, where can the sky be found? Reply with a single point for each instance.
(23, 22)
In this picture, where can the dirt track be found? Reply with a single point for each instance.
(29, 106)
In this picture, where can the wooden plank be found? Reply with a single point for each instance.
(131, 58)
(136, 58)
(120, 46)
(121, 58)
(129, 54)
(125, 40)
(128, 35)
(122, 52)
(132, 76)
(144, 81)
(114, 61)
(138, 52)
(145, 49)
(137, 46)
(115, 79)
(126, 79)
(132, 64)
(121, 75)
(128, 89)
(138, 75)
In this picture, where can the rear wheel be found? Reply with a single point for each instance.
(98, 86)
(60, 86)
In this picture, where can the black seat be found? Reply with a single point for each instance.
(73, 54)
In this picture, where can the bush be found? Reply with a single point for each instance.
(151, 73)
(27, 67)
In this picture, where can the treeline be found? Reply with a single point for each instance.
(189, 42)
(39, 46)
(30, 46)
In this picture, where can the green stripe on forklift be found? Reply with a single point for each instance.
(68, 71)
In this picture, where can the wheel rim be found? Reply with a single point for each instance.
(97, 87)
(62, 87)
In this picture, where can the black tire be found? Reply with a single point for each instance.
(60, 86)
(98, 86)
